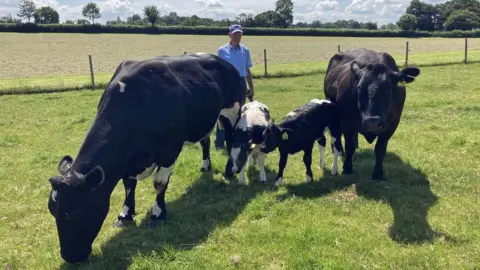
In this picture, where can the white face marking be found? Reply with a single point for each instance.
(122, 86)
(231, 113)
(147, 172)
(54, 195)
(322, 156)
(205, 164)
(163, 174)
(156, 210)
(320, 101)
(124, 211)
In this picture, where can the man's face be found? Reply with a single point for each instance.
(235, 37)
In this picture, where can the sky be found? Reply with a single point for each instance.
(381, 11)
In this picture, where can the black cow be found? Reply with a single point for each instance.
(370, 92)
(248, 135)
(147, 112)
(299, 130)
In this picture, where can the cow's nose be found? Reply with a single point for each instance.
(372, 123)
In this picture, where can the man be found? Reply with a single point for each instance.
(239, 56)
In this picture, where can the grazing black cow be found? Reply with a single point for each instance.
(299, 130)
(248, 135)
(145, 115)
(370, 92)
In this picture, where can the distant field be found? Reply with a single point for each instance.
(425, 217)
(35, 55)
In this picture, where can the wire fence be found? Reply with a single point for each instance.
(57, 72)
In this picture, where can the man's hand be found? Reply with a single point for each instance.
(250, 94)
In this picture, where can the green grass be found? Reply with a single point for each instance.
(424, 217)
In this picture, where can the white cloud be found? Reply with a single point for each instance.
(382, 11)
(210, 3)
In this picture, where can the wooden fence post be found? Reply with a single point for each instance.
(265, 60)
(466, 50)
(91, 71)
(338, 48)
(406, 55)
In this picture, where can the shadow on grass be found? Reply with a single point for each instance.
(407, 191)
(206, 205)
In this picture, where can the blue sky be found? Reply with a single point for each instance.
(382, 11)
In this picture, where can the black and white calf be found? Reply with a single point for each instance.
(248, 135)
(299, 130)
(148, 111)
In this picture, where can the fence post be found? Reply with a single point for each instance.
(406, 55)
(184, 52)
(466, 50)
(265, 60)
(91, 71)
(338, 48)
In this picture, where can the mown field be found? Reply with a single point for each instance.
(424, 217)
(60, 61)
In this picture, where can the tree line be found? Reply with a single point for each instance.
(419, 16)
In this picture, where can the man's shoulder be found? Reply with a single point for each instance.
(245, 48)
(223, 47)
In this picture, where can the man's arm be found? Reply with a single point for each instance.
(249, 75)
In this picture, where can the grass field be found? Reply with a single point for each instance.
(59, 61)
(425, 216)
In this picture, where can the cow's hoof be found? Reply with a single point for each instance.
(154, 223)
(123, 223)
(204, 170)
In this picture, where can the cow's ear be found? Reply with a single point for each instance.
(355, 69)
(408, 74)
(64, 164)
(94, 178)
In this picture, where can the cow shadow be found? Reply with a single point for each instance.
(407, 191)
(206, 205)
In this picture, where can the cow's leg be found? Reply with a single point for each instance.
(229, 141)
(126, 216)
(281, 167)
(261, 164)
(337, 149)
(206, 161)
(380, 150)
(160, 183)
(322, 142)
(307, 160)
(350, 146)
(241, 177)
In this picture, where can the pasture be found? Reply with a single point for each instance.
(425, 216)
(58, 61)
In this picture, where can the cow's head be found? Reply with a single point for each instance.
(79, 209)
(274, 136)
(375, 84)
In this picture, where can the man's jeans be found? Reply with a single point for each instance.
(220, 133)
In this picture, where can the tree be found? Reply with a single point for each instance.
(91, 11)
(151, 13)
(407, 22)
(9, 19)
(285, 9)
(27, 9)
(268, 19)
(69, 22)
(46, 15)
(462, 20)
(371, 25)
(82, 21)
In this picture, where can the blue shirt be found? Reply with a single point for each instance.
(238, 57)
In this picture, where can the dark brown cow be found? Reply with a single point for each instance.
(370, 92)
